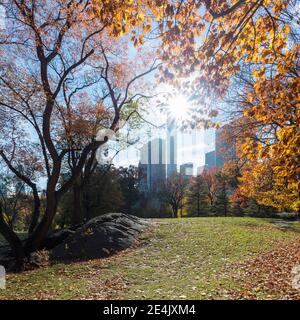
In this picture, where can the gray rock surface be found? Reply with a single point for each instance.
(100, 237)
(54, 238)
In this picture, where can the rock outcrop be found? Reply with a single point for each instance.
(100, 237)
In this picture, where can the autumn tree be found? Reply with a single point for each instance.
(54, 56)
(122, 89)
(267, 112)
(257, 44)
(209, 177)
(173, 192)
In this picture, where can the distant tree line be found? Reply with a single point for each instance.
(214, 192)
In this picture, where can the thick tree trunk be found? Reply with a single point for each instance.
(52, 199)
(35, 240)
(36, 212)
(11, 237)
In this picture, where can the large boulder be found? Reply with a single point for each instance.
(100, 237)
(55, 237)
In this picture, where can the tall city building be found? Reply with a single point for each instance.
(219, 143)
(210, 159)
(153, 165)
(186, 170)
(224, 148)
(171, 147)
(225, 145)
(158, 159)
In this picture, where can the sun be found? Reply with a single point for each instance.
(179, 107)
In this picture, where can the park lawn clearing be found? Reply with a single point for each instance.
(190, 258)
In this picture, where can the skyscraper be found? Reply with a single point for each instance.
(186, 170)
(224, 148)
(158, 160)
(153, 165)
(210, 159)
(225, 145)
(171, 147)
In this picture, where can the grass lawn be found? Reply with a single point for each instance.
(192, 258)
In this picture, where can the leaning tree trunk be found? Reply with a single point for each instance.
(35, 240)
(36, 212)
(13, 240)
(53, 197)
